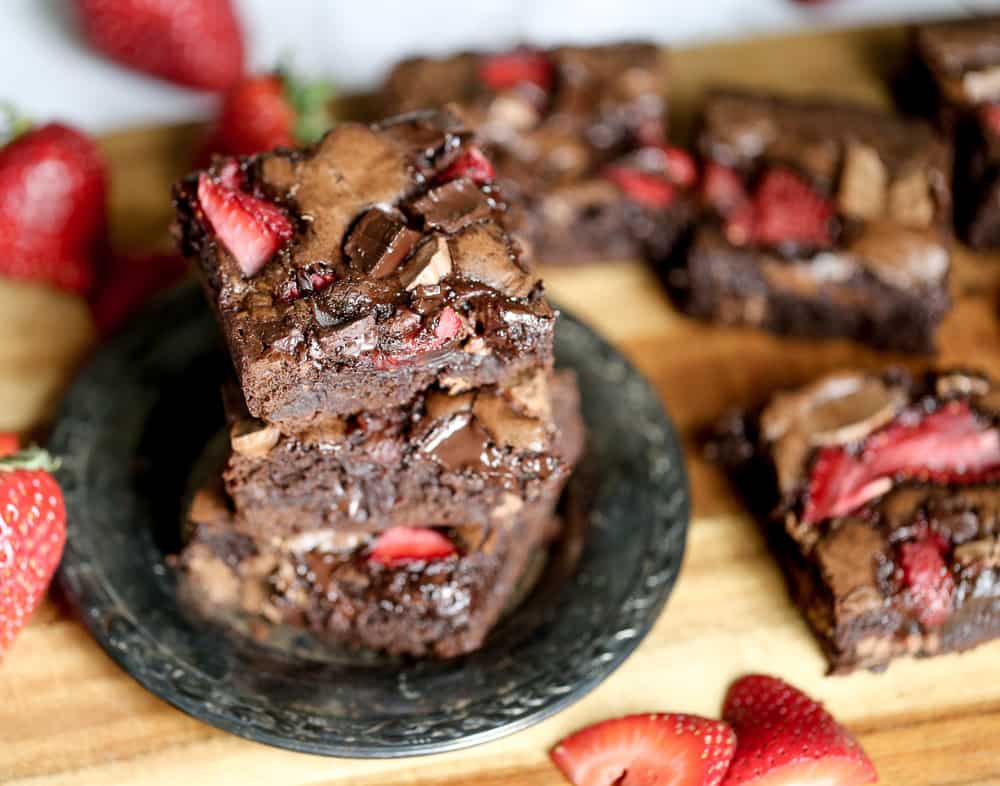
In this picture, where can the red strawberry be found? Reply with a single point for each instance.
(262, 112)
(192, 42)
(52, 207)
(505, 71)
(722, 188)
(129, 283)
(400, 545)
(785, 737)
(32, 534)
(788, 210)
(647, 189)
(647, 750)
(473, 164)
(679, 166)
(250, 228)
(448, 325)
(10, 443)
(950, 445)
(925, 573)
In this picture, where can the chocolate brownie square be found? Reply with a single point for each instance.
(466, 458)
(574, 132)
(823, 219)
(349, 276)
(955, 78)
(414, 591)
(885, 494)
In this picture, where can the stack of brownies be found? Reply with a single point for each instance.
(399, 439)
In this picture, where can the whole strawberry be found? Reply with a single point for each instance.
(32, 535)
(197, 43)
(266, 111)
(53, 191)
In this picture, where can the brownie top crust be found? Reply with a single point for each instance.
(548, 116)
(378, 247)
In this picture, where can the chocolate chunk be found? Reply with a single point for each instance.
(430, 263)
(506, 426)
(253, 438)
(863, 182)
(429, 138)
(451, 206)
(459, 442)
(910, 201)
(483, 254)
(530, 395)
(902, 257)
(350, 339)
(379, 242)
(441, 405)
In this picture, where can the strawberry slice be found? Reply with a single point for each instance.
(653, 750)
(925, 573)
(722, 188)
(473, 164)
(785, 737)
(400, 545)
(251, 229)
(647, 189)
(524, 66)
(679, 165)
(788, 210)
(950, 445)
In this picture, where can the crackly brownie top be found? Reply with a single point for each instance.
(548, 115)
(836, 183)
(378, 243)
(489, 430)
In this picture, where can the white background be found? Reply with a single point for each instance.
(47, 73)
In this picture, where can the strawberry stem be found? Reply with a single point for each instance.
(32, 457)
(14, 122)
(312, 102)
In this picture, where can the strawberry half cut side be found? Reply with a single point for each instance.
(647, 189)
(402, 545)
(949, 445)
(473, 164)
(523, 66)
(251, 229)
(928, 579)
(783, 737)
(647, 750)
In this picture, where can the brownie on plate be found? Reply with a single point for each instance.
(823, 219)
(350, 276)
(564, 127)
(955, 77)
(885, 493)
(465, 459)
(414, 591)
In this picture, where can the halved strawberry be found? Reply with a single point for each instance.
(658, 750)
(473, 164)
(788, 210)
(950, 445)
(505, 71)
(722, 188)
(399, 545)
(251, 229)
(925, 574)
(647, 189)
(785, 737)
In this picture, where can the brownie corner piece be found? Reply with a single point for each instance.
(351, 275)
(824, 219)
(888, 517)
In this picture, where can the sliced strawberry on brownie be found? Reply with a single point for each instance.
(505, 71)
(787, 210)
(783, 737)
(471, 163)
(647, 750)
(250, 228)
(927, 578)
(648, 189)
(402, 545)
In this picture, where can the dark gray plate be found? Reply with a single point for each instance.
(134, 424)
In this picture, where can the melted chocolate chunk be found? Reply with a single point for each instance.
(379, 242)
(451, 206)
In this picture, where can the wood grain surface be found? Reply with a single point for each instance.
(68, 715)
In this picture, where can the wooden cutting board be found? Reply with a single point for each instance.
(68, 715)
